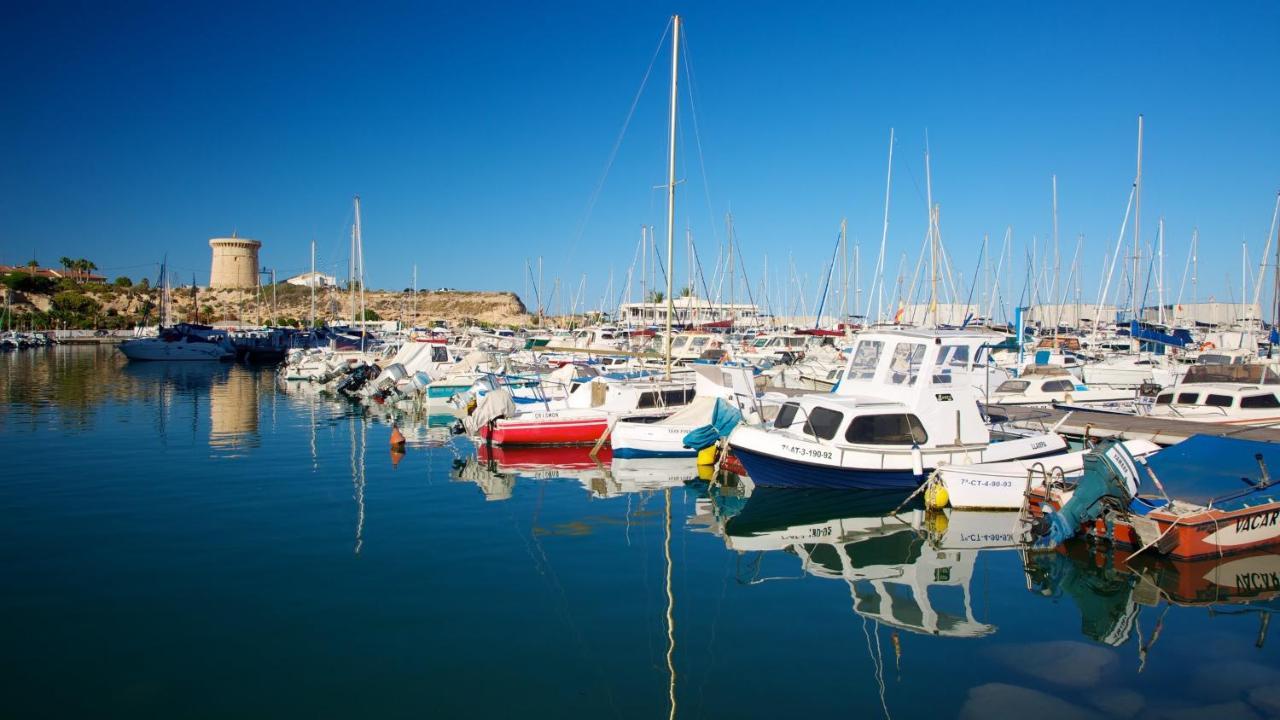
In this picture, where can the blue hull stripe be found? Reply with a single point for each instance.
(768, 471)
(634, 453)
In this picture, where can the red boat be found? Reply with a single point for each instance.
(565, 427)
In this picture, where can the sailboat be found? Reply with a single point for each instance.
(186, 342)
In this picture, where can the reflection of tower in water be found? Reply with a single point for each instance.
(233, 409)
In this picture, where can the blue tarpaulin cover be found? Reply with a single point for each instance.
(1204, 468)
(724, 418)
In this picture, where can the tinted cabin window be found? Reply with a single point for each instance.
(1218, 400)
(786, 415)
(822, 423)
(439, 354)
(1260, 401)
(1164, 399)
(1188, 398)
(1058, 386)
(886, 430)
(665, 398)
(1012, 386)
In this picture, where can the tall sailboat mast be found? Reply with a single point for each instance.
(671, 182)
(313, 282)
(1137, 230)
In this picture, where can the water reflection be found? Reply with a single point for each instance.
(233, 407)
(901, 573)
(1110, 589)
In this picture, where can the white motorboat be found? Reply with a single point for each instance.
(906, 405)
(1003, 485)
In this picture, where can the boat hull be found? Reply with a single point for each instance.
(650, 439)
(155, 351)
(550, 431)
(768, 471)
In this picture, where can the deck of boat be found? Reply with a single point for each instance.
(1075, 423)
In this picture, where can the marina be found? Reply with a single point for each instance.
(295, 530)
(396, 371)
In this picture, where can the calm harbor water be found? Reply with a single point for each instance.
(197, 541)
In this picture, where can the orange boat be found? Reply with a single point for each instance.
(1206, 497)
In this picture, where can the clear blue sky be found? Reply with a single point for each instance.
(476, 133)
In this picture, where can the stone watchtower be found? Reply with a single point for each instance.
(235, 263)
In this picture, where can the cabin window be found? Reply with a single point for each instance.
(1260, 401)
(1219, 400)
(823, 423)
(1058, 386)
(665, 398)
(953, 356)
(1188, 398)
(1013, 386)
(1164, 398)
(1068, 360)
(886, 430)
(786, 415)
(678, 342)
(904, 366)
(697, 342)
(865, 360)
(439, 354)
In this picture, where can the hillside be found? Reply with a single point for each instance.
(84, 306)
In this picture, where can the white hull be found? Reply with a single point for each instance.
(155, 349)
(1001, 486)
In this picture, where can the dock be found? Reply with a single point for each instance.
(1076, 423)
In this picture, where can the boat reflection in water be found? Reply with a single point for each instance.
(1110, 589)
(908, 570)
(494, 469)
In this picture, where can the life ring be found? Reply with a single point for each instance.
(1207, 345)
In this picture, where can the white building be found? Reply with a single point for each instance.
(313, 279)
(689, 310)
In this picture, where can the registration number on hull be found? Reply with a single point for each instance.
(806, 452)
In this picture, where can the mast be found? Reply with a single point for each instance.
(884, 236)
(671, 181)
(313, 282)
(1057, 259)
(351, 276)
(844, 270)
(933, 255)
(357, 244)
(1137, 228)
(1160, 272)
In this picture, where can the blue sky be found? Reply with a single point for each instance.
(476, 133)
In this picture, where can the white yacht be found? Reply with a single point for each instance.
(181, 342)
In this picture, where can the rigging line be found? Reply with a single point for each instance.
(697, 135)
(617, 144)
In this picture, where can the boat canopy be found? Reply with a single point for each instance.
(1224, 471)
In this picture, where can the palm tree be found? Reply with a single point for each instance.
(686, 291)
(656, 296)
(33, 264)
(65, 262)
